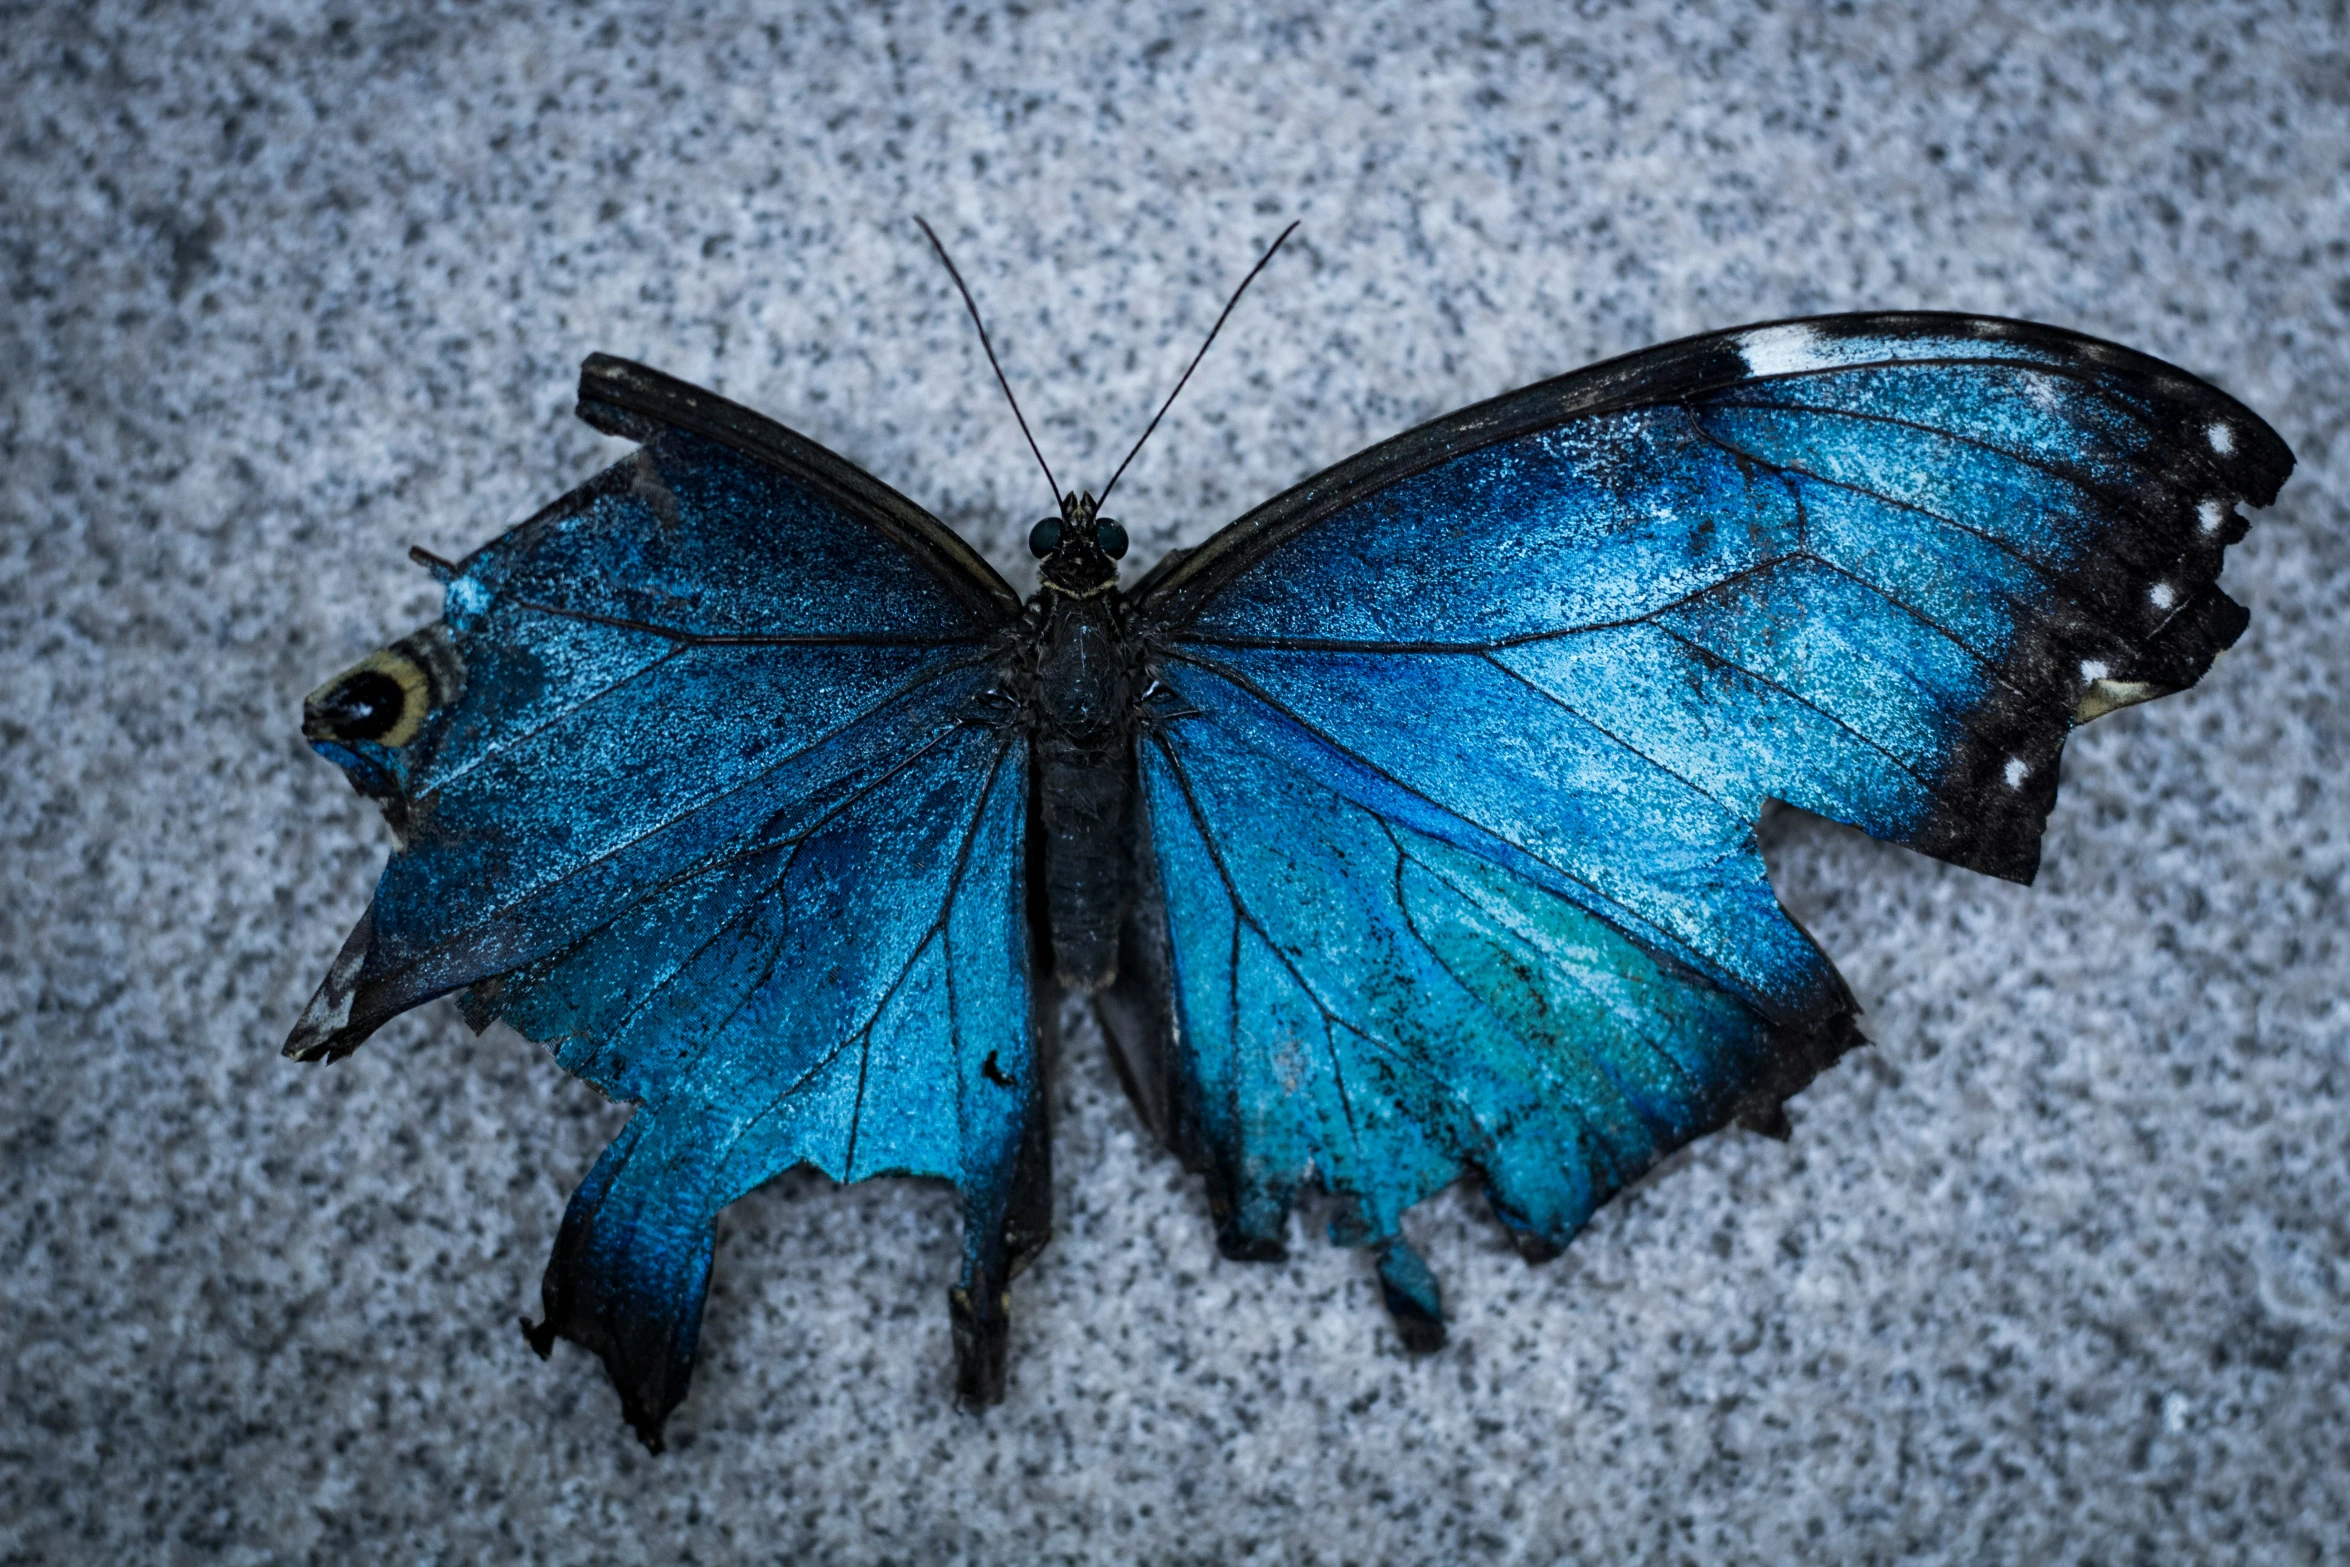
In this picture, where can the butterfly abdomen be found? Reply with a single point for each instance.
(1081, 704)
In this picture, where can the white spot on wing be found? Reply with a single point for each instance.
(2094, 669)
(2017, 771)
(2221, 436)
(2211, 514)
(2163, 594)
(1783, 350)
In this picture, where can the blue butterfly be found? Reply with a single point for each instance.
(1401, 833)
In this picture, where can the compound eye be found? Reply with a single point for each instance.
(1110, 537)
(1045, 537)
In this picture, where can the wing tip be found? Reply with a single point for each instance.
(982, 1323)
(1415, 1303)
(610, 386)
(1799, 1054)
(325, 1030)
(1994, 795)
(647, 1417)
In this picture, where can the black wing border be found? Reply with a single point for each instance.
(621, 397)
(1181, 583)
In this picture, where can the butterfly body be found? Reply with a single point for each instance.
(1081, 677)
(1402, 833)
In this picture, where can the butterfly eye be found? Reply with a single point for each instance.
(1110, 537)
(1045, 537)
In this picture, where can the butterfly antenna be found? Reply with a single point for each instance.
(972, 306)
(1196, 358)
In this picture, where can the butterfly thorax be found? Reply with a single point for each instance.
(1081, 678)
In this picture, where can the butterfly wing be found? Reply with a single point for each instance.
(701, 782)
(1450, 797)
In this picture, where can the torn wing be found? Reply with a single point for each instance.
(701, 781)
(1451, 815)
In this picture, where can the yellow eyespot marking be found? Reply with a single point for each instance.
(386, 696)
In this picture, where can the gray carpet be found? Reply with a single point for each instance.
(2059, 1271)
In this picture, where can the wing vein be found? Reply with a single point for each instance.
(751, 782)
(1597, 895)
(1564, 706)
(493, 752)
(1653, 1045)
(783, 872)
(1393, 1049)
(1529, 1044)
(1797, 697)
(934, 932)
(1495, 645)
(2046, 575)
(745, 639)
(861, 1033)
(1961, 717)
(1727, 397)
(1242, 913)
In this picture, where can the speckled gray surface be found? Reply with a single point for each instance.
(2059, 1271)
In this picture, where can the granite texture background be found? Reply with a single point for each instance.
(2059, 1271)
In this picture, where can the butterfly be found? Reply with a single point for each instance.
(1402, 833)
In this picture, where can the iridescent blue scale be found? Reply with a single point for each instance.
(1403, 833)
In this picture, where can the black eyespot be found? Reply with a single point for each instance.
(1045, 537)
(367, 706)
(1110, 537)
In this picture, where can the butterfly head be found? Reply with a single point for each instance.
(1079, 549)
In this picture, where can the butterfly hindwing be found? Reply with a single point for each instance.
(703, 782)
(1450, 799)
(862, 1007)
(1379, 994)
